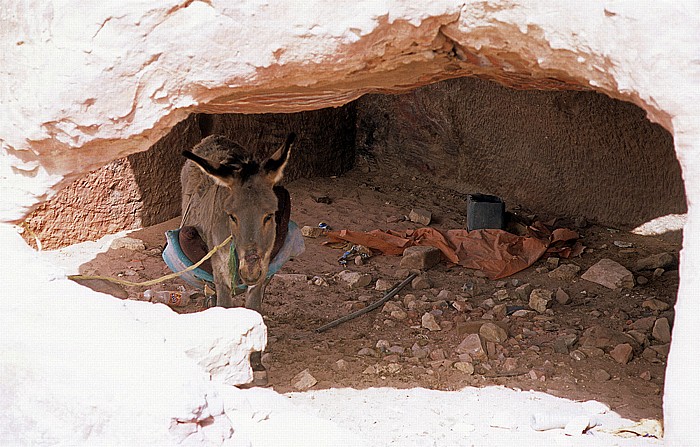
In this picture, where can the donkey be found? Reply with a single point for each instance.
(227, 193)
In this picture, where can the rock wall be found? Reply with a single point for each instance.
(566, 153)
(82, 87)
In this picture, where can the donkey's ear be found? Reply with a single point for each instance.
(222, 174)
(274, 166)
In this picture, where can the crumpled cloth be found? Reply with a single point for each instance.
(497, 253)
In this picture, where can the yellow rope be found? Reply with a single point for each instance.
(157, 280)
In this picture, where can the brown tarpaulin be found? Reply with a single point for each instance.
(496, 252)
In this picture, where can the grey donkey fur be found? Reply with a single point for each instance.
(226, 193)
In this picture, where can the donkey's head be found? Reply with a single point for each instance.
(250, 204)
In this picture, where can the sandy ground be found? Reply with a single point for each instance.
(397, 382)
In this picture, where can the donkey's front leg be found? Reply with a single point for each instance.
(254, 297)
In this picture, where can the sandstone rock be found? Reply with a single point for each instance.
(493, 333)
(419, 351)
(420, 257)
(421, 216)
(552, 262)
(464, 367)
(383, 285)
(591, 351)
(601, 375)
(563, 343)
(644, 324)
(367, 352)
(428, 322)
(128, 243)
(311, 232)
(399, 314)
(610, 274)
(421, 282)
(391, 306)
(444, 295)
(523, 291)
(602, 337)
(510, 364)
(655, 304)
(472, 345)
(662, 330)
(562, 297)
(341, 365)
(355, 280)
(578, 355)
(501, 295)
(622, 353)
(304, 380)
(382, 345)
(540, 300)
(658, 273)
(566, 272)
(661, 260)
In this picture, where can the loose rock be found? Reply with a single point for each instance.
(419, 351)
(355, 280)
(128, 243)
(311, 232)
(464, 367)
(304, 380)
(622, 353)
(662, 330)
(421, 216)
(493, 333)
(610, 274)
(420, 257)
(428, 322)
(601, 375)
(523, 291)
(655, 304)
(552, 262)
(566, 272)
(540, 300)
(660, 260)
(501, 295)
(341, 365)
(642, 280)
(421, 283)
(399, 315)
(473, 346)
(562, 297)
(383, 285)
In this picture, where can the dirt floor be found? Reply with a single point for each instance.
(409, 355)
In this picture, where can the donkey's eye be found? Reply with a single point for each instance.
(233, 218)
(268, 218)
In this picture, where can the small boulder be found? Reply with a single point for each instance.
(622, 353)
(304, 380)
(421, 216)
(355, 280)
(540, 300)
(610, 274)
(419, 257)
(662, 330)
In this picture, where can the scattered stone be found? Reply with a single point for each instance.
(654, 304)
(602, 337)
(640, 337)
(552, 262)
(359, 260)
(493, 333)
(421, 282)
(523, 291)
(371, 369)
(537, 374)
(396, 349)
(304, 380)
(352, 306)
(419, 351)
(650, 354)
(465, 358)
(610, 274)
(515, 282)
(566, 272)
(128, 243)
(488, 303)
(660, 260)
(391, 368)
(367, 352)
(522, 313)
(499, 311)
(623, 244)
(464, 367)
(311, 232)
(542, 270)
(661, 350)
(383, 345)
(622, 353)
(540, 299)
(658, 273)
(355, 280)
(564, 343)
(319, 281)
(562, 297)
(444, 295)
(644, 324)
(437, 354)
(461, 306)
(383, 285)
(408, 299)
(428, 322)
(391, 306)
(472, 345)
(341, 365)
(601, 375)
(591, 351)
(399, 315)
(292, 277)
(419, 257)
(662, 330)
(394, 219)
(578, 355)
(401, 273)
(642, 280)
(421, 216)
(510, 364)
(501, 295)
(645, 375)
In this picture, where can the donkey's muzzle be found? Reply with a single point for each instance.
(251, 269)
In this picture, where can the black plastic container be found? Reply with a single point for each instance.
(484, 211)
